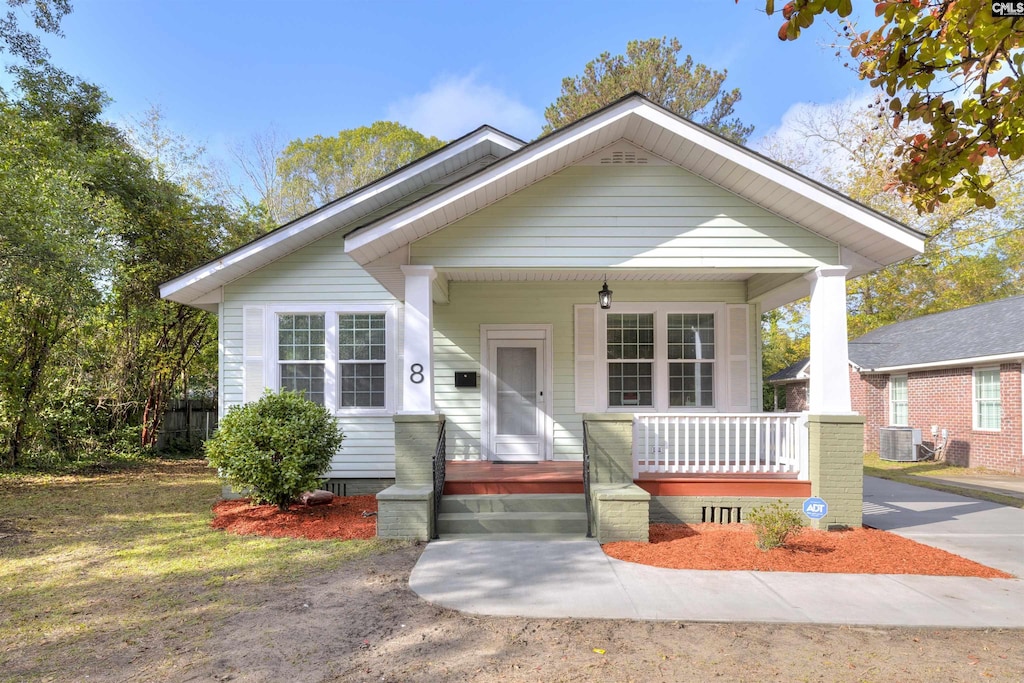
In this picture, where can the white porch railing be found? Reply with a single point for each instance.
(720, 443)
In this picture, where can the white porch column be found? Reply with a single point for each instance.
(829, 390)
(418, 362)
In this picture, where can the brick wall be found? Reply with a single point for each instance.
(869, 396)
(796, 397)
(943, 398)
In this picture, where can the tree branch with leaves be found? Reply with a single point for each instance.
(949, 65)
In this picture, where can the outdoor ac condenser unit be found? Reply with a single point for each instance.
(899, 444)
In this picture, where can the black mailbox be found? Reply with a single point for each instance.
(465, 379)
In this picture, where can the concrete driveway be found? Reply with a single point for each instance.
(976, 529)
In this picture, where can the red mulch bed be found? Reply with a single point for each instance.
(856, 551)
(341, 519)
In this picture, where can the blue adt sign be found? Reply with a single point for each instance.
(815, 508)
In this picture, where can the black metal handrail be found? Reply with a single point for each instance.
(440, 454)
(586, 480)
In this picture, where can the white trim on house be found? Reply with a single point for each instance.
(732, 167)
(192, 286)
(543, 333)
(954, 363)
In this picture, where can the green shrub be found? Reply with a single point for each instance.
(773, 523)
(276, 447)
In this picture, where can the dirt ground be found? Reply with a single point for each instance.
(362, 623)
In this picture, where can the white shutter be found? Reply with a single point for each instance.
(738, 318)
(253, 353)
(586, 355)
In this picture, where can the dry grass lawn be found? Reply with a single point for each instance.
(119, 577)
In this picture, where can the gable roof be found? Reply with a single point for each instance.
(401, 187)
(381, 219)
(876, 238)
(986, 332)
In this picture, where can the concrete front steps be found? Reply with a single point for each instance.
(513, 513)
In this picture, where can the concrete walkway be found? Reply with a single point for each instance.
(574, 578)
(1006, 485)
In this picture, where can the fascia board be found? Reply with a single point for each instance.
(496, 171)
(276, 238)
(785, 178)
(952, 363)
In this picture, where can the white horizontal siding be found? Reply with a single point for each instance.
(624, 216)
(318, 273)
(457, 345)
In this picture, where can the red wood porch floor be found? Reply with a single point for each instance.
(476, 477)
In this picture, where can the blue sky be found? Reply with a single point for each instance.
(223, 69)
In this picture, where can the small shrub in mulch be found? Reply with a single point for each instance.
(733, 547)
(341, 519)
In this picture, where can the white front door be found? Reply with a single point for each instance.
(515, 396)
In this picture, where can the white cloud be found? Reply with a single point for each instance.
(455, 105)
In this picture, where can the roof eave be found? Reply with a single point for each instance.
(183, 289)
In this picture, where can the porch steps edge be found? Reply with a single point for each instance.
(512, 523)
(513, 502)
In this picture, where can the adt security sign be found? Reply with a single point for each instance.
(815, 508)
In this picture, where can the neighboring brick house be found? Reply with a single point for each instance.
(959, 370)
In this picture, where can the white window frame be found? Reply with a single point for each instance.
(331, 360)
(659, 380)
(893, 401)
(976, 401)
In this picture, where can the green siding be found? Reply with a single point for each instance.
(318, 273)
(622, 217)
(457, 345)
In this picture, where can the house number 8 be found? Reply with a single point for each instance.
(416, 376)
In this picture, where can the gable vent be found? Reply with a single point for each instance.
(623, 158)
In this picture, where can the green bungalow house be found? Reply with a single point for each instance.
(510, 306)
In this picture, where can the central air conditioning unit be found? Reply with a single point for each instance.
(899, 444)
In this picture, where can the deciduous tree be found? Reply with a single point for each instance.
(320, 169)
(949, 65)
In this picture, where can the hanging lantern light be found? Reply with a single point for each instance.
(604, 296)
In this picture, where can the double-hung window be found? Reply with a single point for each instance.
(340, 357)
(988, 407)
(691, 360)
(661, 357)
(302, 353)
(362, 360)
(899, 404)
(630, 359)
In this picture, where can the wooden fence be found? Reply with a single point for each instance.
(187, 422)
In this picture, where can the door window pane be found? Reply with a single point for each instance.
(516, 409)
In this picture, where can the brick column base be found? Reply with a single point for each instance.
(611, 447)
(406, 510)
(836, 464)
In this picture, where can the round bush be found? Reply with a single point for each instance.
(276, 447)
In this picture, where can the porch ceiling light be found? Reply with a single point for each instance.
(604, 296)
